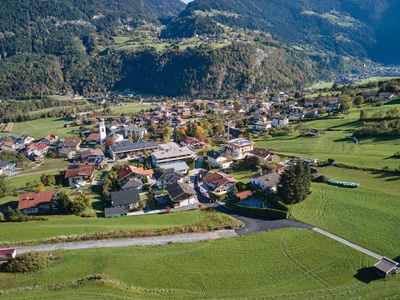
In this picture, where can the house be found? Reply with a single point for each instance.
(7, 168)
(50, 139)
(7, 254)
(217, 184)
(239, 148)
(178, 166)
(80, 174)
(267, 182)
(263, 125)
(263, 155)
(129, 172)
(122, 203)
(193, 143)
(280, 121)
(313, 102)
(128, 149)
(385, 96)
(37, 151)
(172, 154)
(182, 194)
(90, 153)
(133, 184)
(74, 143)
(386, 267)
(67, 152)
(93, 138)
(217, 160)
(36, 203)
(139, 133)
(167, 178)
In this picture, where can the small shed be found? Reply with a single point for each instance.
(7, 254)
(386, 267)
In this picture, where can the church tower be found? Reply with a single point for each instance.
(103, 132)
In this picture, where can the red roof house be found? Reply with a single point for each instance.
(80, 174)
(33, 203)
(132, 171)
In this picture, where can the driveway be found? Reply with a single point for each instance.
(255, 224)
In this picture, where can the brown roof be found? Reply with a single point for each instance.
(244, 195)
(218, 179)
(260, 152)
(85, 170)
(93, 137)
(31, 200)
(128, 170)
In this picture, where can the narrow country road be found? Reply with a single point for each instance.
(129, 242)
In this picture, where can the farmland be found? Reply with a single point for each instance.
(367, 216)
(335, 143)
(131, 108)
(280, 264)
(42, 127)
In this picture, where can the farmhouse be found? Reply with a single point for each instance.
(128, 149)
(36, 203)
(80, 174)
(218, 160)
(239, 148)
(182, 194)
(268, 182)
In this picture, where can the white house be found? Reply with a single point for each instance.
(266, 182)
(239, 148)
(217, 160)
(263, 126)
(280, 121)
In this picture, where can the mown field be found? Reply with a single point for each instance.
(287, 264)
(130, 108)
(335, 143)
(56, 226)
(368, 216)
(42, 127)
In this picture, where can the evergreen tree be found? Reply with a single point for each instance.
(295, 182)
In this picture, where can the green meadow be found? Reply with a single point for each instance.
(286, 264)
(41, 127)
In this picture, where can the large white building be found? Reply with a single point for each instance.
(171, 153)
(239, 148)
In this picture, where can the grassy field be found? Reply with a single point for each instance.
(289, 264)
(335, 143)
(42, 127)
(72, 225)
(367, 216)
(130, 108)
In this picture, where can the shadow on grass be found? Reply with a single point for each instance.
(353, 124)
(367, 275)
(386, 176)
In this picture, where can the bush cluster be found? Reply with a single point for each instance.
(27, 262)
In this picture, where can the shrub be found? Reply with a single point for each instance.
(88, 213)
(27, 262)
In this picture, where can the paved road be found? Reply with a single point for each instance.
(254, 224)
(145, 241)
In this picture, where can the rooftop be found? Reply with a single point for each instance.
(32, 200)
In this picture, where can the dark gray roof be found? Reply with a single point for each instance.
(128, 146)
(170, 176)
(133, 183)
(386, 265)
(5, 163)
(125, 198)
(178, 189)
(214, 154)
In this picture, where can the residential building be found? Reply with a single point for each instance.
(128, 149)
(36, 203)
(263, 155)
(50, 139)
(80, 174)
(37, 151)
(280, 121)
(133, 184)
(129, 172)
(139, 133)
(239, 148)
(263, 125)
(122, 203)
(74, 143)
(178, 166)
(217, 160)
(267, 182)
(172, 154)
(182, 194)
(217, 185)
(7, 168)
(167, 178)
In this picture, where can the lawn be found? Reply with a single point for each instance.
(71, 225)
(286, 264)
(131, 108)
(42, 127)
(368, 216)
(335, 143)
